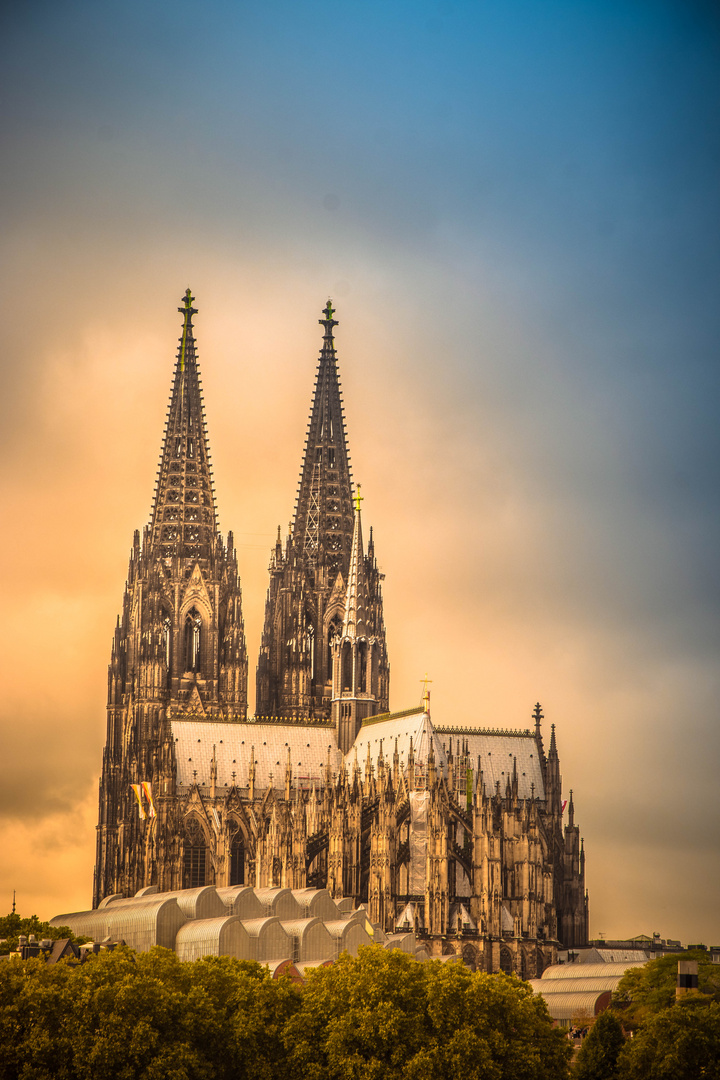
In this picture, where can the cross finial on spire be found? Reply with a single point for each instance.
(328, 322)
(358, 499)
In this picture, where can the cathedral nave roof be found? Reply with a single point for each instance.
(196, 741)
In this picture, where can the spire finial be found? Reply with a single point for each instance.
(426, 693)
(358, 499)
(328, 322)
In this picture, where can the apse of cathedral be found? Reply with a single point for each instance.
(460, 833)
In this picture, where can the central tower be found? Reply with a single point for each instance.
(305, 605)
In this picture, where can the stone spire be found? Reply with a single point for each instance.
(323, 525)
(355, 622)
(184, 520)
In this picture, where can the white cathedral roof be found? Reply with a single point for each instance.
(197, 740)
(497, 751)
(414, 724)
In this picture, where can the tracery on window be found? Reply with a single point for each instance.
(195, 856)
(193, 640)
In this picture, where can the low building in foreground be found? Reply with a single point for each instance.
(290, 930)
(577, 992)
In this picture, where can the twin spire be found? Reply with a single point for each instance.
(323, 525)
(184, 520)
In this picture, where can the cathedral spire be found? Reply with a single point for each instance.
(184, 519)
(323, 524)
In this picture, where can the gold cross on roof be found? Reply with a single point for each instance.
(426, 692)
(358, 499)
(329, 310)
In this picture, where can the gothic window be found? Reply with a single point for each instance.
(346, 669)
(362, 667)
(331, 456)
(334, 630)
(167, 639)
(195, 856)
(237, 860)
(193, 632)
(310, 632)
(523, 966)
(506, 963)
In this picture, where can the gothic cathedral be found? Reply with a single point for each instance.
(459, 833)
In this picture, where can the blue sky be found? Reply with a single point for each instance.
(515, 209)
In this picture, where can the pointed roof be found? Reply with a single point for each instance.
(414, 732)
(323, 525)
(184, 520)
(355, 621)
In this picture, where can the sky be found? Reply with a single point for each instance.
(514, 207)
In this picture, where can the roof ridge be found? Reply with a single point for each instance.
(452, 729)
(417, 711)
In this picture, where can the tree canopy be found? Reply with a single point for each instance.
(13, 925)
(149, 1016)
(644, 991)
(598, 1057)
(383, 1016)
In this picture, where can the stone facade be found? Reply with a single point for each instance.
(456, 833)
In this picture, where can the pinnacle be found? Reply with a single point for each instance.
(183, 520)
(356, 597)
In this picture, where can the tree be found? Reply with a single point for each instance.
(679, 1043)
(644, 991)
(148, 1016)
(13, 925)
(598, 1056)
(383, 1016)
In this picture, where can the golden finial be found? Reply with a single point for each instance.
(358, 499)
(426, 693)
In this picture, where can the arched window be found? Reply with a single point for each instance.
(346, 683)
(167, 639)
(362, 667)
(195, 856)
(310, 634)
(237, 860)
(334, 630)
(193, 629)
(506, 963)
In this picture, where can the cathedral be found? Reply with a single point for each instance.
(459, 833)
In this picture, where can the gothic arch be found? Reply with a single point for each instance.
(506, 960)
(469, 955)
(197, 864)
(194, 632)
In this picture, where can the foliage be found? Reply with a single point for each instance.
(601, 1047)
(142, 1017)
(13, 925)
(644, 991)
(383, 1016)
(149, 1016)
(679, 1043)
